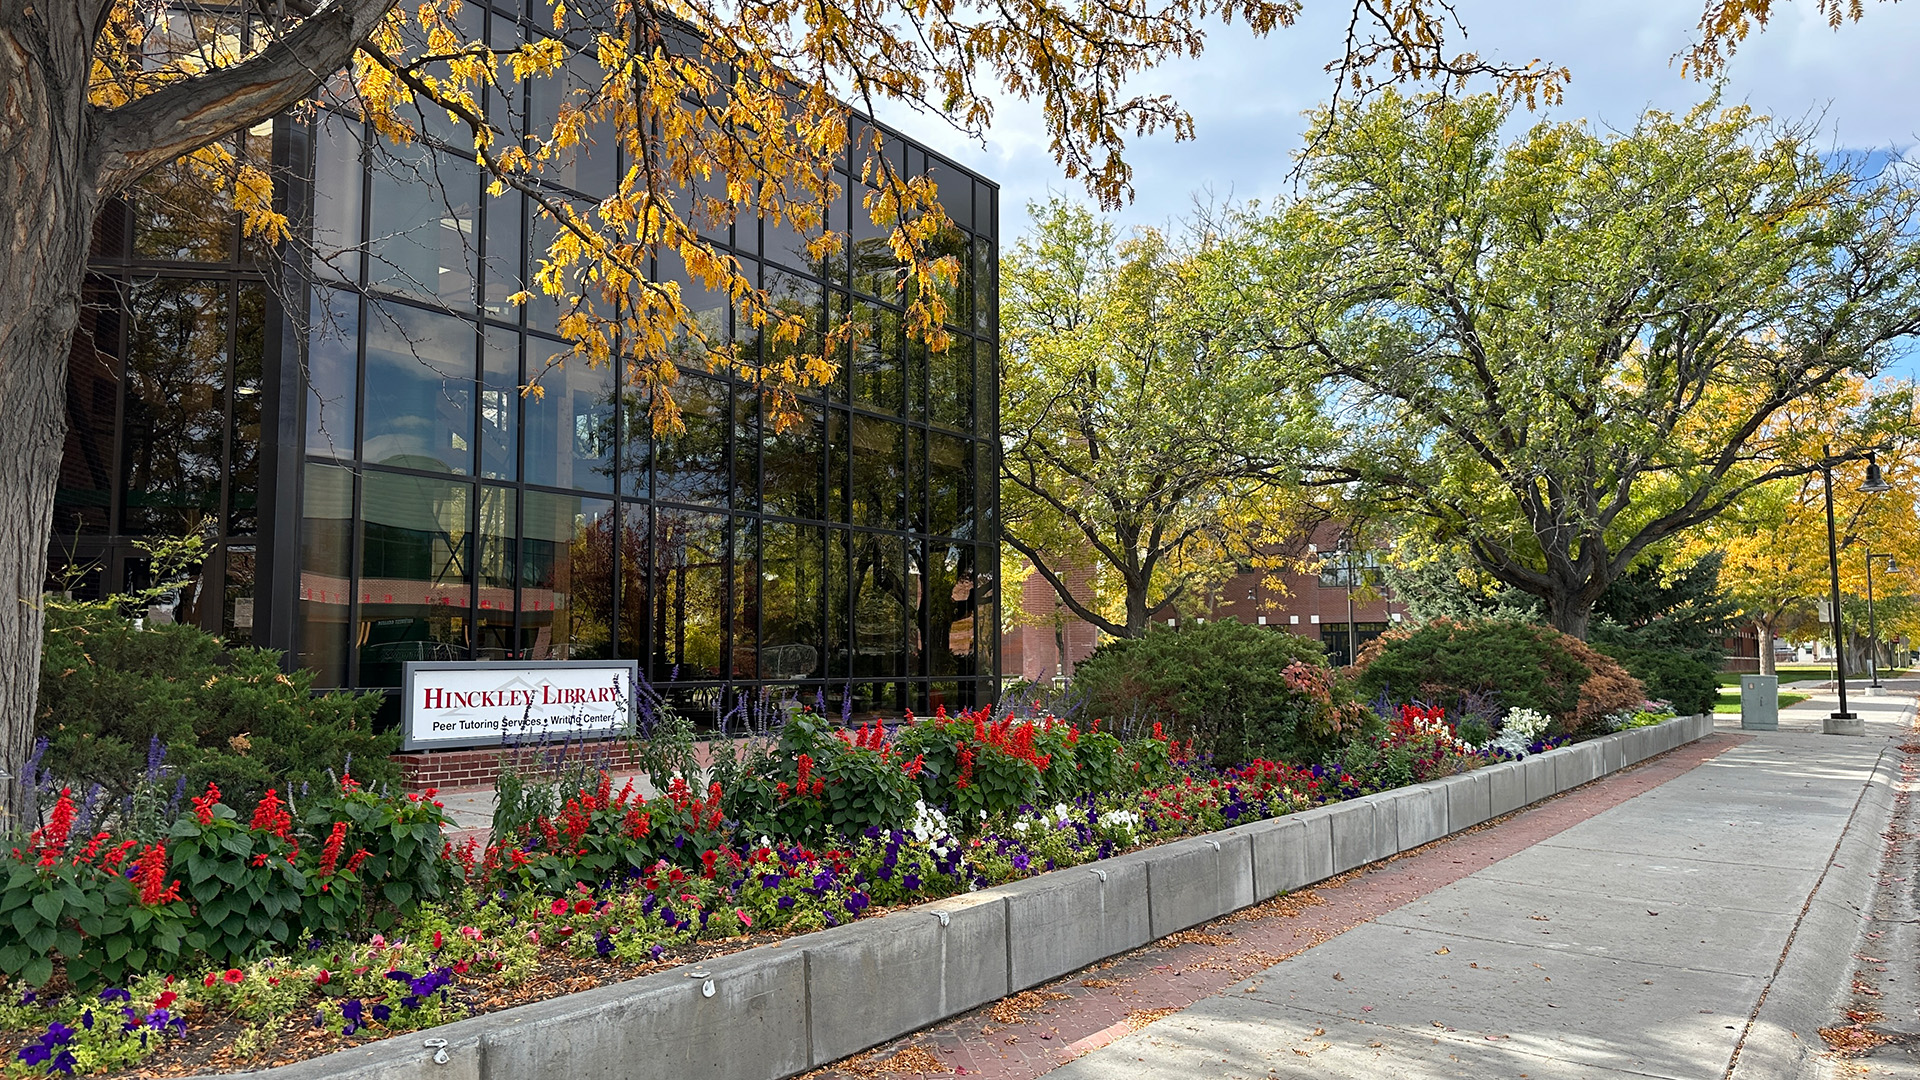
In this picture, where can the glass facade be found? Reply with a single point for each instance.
(401, 498)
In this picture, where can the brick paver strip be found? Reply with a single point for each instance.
(1033, 1032)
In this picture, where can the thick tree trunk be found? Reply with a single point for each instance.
(47, 204)
(1570, 614)
(1765, 631)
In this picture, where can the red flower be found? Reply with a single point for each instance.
(439, 941)
(353, 864)
(150, 873)
(203, 804)
(582, 907)
(165, 1000)
(271, 815)
(51, 839)
(330, 853)
(234, 976)
(211, 978)
(558, 907)
(323, 978)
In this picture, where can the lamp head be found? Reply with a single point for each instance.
(1875, 482)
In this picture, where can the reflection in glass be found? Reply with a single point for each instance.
(885, 592)
(326, 549)
(569, 421)
(877, 380)
(949, 486)
(182, 213)
(243, 446)
(503, 272)
(421, 233)
(744, 634)
(236, 620)
(950, 386)
(338, 190)
(792, 566)
(792, 460)
(636, 551)
(566, 580)
(333, 348)
(690, 591)
(419, 393)
(497, 565)
(950, 609)
(879, 474)
(415, 573)
(691, 466)
(839, 586)
(174, 430)
(81, 502)
(499, 404)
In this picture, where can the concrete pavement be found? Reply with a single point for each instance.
(1703, 928)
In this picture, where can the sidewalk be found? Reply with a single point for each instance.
(1694, 918)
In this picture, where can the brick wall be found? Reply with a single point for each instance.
(479, 766)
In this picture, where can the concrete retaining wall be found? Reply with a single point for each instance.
(782, 1009)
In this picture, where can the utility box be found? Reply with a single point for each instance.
(1760, 702)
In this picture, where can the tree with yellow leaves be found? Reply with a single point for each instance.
(1773, 539)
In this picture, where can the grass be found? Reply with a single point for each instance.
(1730, 701)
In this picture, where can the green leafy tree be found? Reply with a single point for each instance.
(1140, 419)
(1562, 351)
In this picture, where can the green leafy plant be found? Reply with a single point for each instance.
(1237, 691)
(1446, 663)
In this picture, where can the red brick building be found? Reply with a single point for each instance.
(1043, 639)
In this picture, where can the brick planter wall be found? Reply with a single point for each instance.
(479, 766)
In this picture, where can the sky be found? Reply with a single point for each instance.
(1247, 95)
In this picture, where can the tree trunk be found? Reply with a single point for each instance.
(47, 204)
(1764, 630)
(1568, 613)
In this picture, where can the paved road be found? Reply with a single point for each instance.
(1637, 943)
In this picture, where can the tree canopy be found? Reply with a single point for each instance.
(1565, 349)
(1146, 427)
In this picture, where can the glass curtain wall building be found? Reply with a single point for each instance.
(379, 490)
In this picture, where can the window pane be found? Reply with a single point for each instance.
(497, 564)
(950, 610)
(419, 399)
(950, 385)
(839, 451)
(569, 425)
(792, 567)
(744, 635)
(986, 373)
(338, 179)
(985, 269)
(746, 447)
(236, 622)
(243, 448)
(792, 462)
(333, 344)
(500, 405)
(689, 558)
(504, 255)
(326, 546)
(636, 598)
(879, 474)
(883, 605)
(950, 486)
(566, 579)
(591, 166)
(692, 466)
(81, 502)
(877, 380)
(839, 584)
(181, 214)
(174, 430)
(424, 209)
(415, 579)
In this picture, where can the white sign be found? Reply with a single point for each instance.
(453, 704)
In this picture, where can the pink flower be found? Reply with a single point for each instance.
(746, 920)
(558, 907)
(472, 932)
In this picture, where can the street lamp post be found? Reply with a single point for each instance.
(1843, 722)
(1873, 627)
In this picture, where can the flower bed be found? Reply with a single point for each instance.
(225, 944)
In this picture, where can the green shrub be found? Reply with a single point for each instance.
(1688, 678)
(847, 783)
(229, 717)
(1237, 691)
(1524, 665)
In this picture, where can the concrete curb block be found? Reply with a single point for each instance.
(782, 1009)
(1810, 987)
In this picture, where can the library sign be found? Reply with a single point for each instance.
(454, 704)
